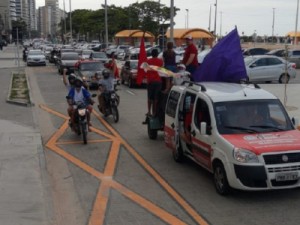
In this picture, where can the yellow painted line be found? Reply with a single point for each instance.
(166, 186)
(80, 142)
(53, 112)
(98, 212)
(154, 209)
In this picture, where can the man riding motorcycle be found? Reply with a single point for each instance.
(106, 85)
(79, 94)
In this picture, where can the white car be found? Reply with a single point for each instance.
(202, 55)
(36, 57)
(267, 68)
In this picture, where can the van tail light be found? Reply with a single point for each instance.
(293, 65)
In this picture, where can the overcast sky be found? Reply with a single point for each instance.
(248, 15)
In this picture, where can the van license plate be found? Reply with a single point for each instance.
(286, 176)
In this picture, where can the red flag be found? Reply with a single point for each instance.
(142, 58)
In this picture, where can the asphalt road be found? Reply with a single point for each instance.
(123, 177)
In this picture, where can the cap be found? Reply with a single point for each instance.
(189, 37)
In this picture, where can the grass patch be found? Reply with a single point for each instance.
(19, 87)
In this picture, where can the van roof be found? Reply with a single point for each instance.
(221, 91)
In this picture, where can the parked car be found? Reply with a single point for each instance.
(277, 52)
(67, 60)
(202, 55)
(129, 73)
(99, 56)
(87, 70)
(35, 57)
(294, 56)
(110, 49)
(267, 68)
(254, 51)
(85, 54)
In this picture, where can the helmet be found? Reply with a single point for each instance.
(72, 78)
(106, 73)
(78, 82)
(181, 67)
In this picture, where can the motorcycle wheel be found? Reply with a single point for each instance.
(84, 132)
(115, 113)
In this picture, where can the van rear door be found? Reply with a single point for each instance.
(171, 116)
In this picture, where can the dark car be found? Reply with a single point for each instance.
(99, 56)
(277, 52)
(129, 73)
(67, 60)
(87, 70)
(255, 51)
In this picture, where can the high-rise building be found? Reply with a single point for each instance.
(7, 14)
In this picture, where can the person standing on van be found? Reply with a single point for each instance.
(169, 58)
(190, 59)
(154, 83)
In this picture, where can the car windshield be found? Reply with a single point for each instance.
(133, 64)
(248, 60)
(86, 52)
(35, 53)
(259, 116)
(96, 66)
(69, 57)
(99, 55)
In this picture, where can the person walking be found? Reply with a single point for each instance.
(190, 59)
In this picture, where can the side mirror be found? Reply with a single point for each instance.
(295, 121)
(253, 65)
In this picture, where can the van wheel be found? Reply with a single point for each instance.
(220, 179)
(284, 78)
(178, 152)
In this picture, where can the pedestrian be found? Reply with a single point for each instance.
(190, 58)
(112, 65)
(1, 45)
(169, 57)
(154, 83)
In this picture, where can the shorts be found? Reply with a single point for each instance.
(154, 90)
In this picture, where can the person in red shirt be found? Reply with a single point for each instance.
(112, 65)
(154, 83)
(190, 59)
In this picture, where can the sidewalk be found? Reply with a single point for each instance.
(23, 182)
(9, 57)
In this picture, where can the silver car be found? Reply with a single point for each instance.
(267, 68)
(36, 57)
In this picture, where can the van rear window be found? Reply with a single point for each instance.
(172, 103)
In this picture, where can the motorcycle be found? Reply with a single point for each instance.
(25, 53)
(112, 101)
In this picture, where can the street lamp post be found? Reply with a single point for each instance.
(187, 18)
(172, 21)
(221, 24)
(71, 31)
(295, 37)
(106, 28)
(215, 26)
(273, 24)
(209, 19)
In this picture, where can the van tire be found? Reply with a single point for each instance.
(178, 152)
(220, 179)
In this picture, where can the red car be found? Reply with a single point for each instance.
(129, 73)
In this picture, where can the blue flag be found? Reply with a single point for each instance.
(224, 63)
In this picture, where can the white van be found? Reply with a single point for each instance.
(239, 132)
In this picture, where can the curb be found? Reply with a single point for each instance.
(17, 102)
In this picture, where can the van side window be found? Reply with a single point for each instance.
(202, 114)
(172, 103)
